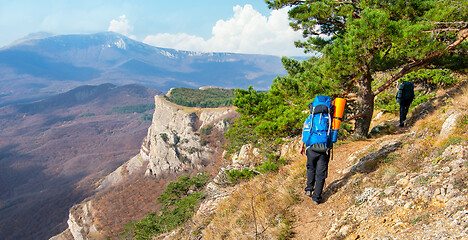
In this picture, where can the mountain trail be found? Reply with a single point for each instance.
(313, 221)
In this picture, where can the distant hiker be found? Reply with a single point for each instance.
(405, 97)
(319, 133)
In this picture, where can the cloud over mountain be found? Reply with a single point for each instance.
(121, 26)
(248, 31)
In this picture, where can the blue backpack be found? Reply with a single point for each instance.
(316, 133)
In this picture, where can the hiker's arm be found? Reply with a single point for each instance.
(302, 149)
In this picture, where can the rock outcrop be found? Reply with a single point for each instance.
(173, 140)
(179, 139)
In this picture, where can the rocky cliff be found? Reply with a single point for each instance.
(180, 140)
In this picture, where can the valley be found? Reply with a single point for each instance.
(53, 153)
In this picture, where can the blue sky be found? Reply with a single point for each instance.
(209, 25)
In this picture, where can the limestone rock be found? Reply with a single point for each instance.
(449, 125)
(173, 140)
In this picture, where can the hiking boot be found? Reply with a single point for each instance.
(308, 193)
(316, 202)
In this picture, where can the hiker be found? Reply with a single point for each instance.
(405, 96)
(319, 133)
(316, 144)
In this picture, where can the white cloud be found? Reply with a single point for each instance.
(121, 26)
(247, 31)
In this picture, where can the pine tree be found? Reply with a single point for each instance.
(357, 38)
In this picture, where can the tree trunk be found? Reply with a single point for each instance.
(365, 101)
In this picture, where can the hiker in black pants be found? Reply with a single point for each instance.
(404, 107)
(405, 97)
(317, 168)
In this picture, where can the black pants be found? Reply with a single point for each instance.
(317, 168)
(403, 112)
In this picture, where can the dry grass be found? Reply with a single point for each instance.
(260, 208)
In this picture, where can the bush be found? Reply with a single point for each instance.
(147, 117)
(178, 201)
(386, 101)
(236, 176)
(268, 166)
(431, 78)
(164, 137)
(207, 130)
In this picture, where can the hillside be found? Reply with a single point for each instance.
(35, 68)
(402, 183)
(53, 151)
(180, 141)
(209, 97)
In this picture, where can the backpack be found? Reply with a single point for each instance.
(316, 133)
(405, 92)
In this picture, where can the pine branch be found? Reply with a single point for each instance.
(414, 66)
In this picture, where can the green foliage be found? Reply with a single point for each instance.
(281, 111)
(236, 176)
(206, 130)
(420, 97)
(431, 78)
(164, 137)
(463, 122)
(176, 190)
(267, 166)
(345, 130)
(272, 164)
(386, 101)
(178, 202)
(147, 117)
(87, 115)
(207, 98)
(240, 133)
(140, 108)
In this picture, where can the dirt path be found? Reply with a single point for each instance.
(313, 221)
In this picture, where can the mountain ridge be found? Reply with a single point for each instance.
(58, 63)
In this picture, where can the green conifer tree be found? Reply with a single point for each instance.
(357, 38)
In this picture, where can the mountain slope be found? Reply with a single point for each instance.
(53, 151)
(181, 140)
(36, 67)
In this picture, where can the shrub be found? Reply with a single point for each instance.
(236, 176)
(207, 130)
(147, 117)
(386, 101)
(267, 167)
(178, 201)
(431, 78)
(164, 137)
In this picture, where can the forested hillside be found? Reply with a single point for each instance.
(204, 98)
